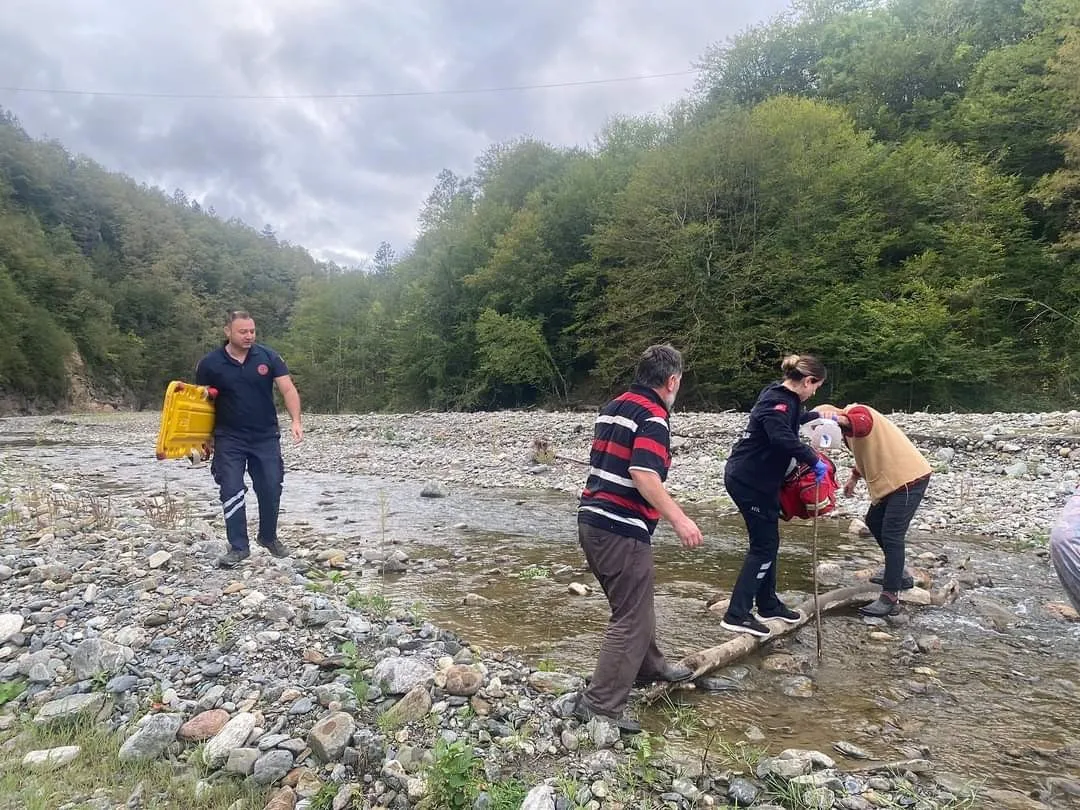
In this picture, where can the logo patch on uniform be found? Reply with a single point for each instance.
(780, 406)
(265, 369)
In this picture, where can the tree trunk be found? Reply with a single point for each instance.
(709, 660)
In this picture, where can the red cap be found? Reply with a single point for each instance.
(861, 420)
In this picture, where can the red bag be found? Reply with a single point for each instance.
(801, 490)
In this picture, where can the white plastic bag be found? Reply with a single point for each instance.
(824, 434)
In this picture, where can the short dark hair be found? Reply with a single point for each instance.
(237, 315)
(656, 364)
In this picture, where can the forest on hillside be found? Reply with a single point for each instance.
(894, 185)
(118, 284)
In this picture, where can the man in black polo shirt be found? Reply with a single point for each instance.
(623, 500)
(246, 433)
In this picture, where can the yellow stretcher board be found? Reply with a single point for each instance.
(187, 421)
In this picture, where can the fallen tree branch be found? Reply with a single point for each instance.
(709, 660)
(705, 661)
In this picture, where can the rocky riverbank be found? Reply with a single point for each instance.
(127, 660)
(1002, 475)
(996, 474)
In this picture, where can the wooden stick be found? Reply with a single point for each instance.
(817, 613)
(559, 457)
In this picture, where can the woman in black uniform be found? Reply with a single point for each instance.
(753, 477)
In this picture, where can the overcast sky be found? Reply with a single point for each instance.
(339, 176)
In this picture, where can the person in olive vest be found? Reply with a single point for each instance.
(897, 476)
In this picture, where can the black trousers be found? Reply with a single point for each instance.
(888, 521)
(757, 579)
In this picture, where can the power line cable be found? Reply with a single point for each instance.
(62, 91)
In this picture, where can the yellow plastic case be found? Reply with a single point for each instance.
(187, 421)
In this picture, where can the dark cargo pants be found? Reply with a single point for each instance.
(262, 459)
(624, 568)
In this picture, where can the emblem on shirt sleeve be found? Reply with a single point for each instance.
(263, 369)
(780, 406)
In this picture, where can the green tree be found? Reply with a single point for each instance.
(513, 353)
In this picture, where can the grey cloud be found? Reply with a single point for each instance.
(338, 176)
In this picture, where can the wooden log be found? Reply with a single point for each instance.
(705, 661)
(709, 660)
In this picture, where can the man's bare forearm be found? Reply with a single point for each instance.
(292, 404)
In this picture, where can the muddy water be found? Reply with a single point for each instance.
(991, 697)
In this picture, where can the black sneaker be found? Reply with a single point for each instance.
(232, 558)
(275, 548)
(748, 625)
(585, 713)
(907, 582)
(881, 607)
(781, 612)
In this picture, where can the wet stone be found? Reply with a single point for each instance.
(743, 792)
(851, 750)
(798, 687)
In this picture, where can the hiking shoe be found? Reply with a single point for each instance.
(907, 581)
(781, 612)
(676, 673)
(748, 625)
(671, 673)
(232, 558)
(881, 607)
(275, 548)
(584, 712)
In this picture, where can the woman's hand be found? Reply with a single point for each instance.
(834, 413)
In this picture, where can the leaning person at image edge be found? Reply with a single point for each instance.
(753, 477)
(246, 432)
(622, 502)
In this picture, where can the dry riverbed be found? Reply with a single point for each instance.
(1002, 475)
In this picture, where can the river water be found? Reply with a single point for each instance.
(978, 707)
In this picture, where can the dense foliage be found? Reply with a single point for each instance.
(116, 283)
(893, 185)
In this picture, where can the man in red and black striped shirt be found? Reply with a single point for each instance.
(623, 499)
